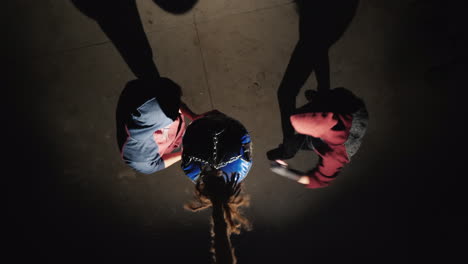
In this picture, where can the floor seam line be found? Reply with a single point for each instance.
(205, 71)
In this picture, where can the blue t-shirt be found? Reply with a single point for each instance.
(140, 150)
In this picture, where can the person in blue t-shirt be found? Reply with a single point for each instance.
(150, 124)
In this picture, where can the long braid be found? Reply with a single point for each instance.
(225, 200)
(221, 245)
(210, 144)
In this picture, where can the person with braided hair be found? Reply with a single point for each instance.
(217, 156)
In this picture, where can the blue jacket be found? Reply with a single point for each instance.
(226, 153)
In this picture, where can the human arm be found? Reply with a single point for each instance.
(328, 167)
(221, 242)
(142, 156)
(171, 158)
(281, 168)
(319, 177)
(301, 177)
(186, 111)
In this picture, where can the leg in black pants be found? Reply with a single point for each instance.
(305, 59)
(322, 23)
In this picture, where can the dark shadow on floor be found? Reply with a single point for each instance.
(121, 22)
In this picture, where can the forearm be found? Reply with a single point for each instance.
(186, 111)
(326, 170)
(314, 182)
(171, 158)
(310, 180)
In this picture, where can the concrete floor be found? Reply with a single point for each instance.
(73, 199)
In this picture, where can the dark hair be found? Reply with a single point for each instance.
(211, 190)
(198, 138)
(168, 94)
(137, 92)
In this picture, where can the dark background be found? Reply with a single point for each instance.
(401, 197)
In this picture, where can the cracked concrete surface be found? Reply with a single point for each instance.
(73, 199)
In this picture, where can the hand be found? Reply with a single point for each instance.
(186, 111)
(304, 180)
(281, 162)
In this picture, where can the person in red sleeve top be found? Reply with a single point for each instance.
(332, 124)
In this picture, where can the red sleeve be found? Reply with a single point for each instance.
(313, 124)
(328, 167)
(320, 125)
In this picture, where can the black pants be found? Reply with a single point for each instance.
(303, 61)
(321, 24)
